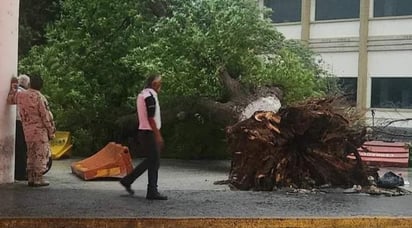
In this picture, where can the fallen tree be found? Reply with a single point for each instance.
(240, 103)
(186, 41)
(301, 146)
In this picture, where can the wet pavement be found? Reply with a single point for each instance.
(192, 194)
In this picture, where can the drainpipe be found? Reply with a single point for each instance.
(9, 21)
(305, 18)
(362, 89)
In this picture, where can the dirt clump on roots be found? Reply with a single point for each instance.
(301, 146)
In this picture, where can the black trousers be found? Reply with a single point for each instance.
(151, 163)
(20, 160)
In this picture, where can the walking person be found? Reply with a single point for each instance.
(150, 138)
(38, 127)
(20, 159)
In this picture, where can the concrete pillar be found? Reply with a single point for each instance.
(9, 21)
(362, 90)
(305, 18)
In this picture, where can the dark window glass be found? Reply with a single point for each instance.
(349, 87)
(336, 9)
(391, 93)
(285, 10)
(387, 8)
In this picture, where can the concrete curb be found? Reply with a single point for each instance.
(345, 222)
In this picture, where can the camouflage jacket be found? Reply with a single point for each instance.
(36, 117)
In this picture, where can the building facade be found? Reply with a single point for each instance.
(367, 44)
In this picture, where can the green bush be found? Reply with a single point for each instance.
(195, 139)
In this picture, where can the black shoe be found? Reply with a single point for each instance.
(155, 196)
(127, 187)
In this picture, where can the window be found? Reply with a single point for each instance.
(285, 10)
(337, 9)
(387, 8)
(349, 87)
(391, 93)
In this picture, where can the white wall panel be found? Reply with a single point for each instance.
(335, 29)
(290, 31)
(390, 27)
(390, 63)
(341, 64)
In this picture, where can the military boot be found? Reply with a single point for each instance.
(30, 178)
(39, 180)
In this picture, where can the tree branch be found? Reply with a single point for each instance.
(394, 121)
(232, 86)
(223, 113)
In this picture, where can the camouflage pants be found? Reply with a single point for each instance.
(37, 156)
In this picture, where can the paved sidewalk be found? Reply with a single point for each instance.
(192, 197)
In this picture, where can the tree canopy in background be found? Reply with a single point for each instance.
(34, 17)
(98, 53)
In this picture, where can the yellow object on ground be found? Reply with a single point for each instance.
(61, 145)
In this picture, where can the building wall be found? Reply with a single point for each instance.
(344, 64)
(333, 30)
(391, 26)
(390, 63)
(9, 17)
(388, 59)
(290, 30)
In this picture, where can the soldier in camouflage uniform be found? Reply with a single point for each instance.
(38, 126)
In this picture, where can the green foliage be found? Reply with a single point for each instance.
(201, 37)
(99, 52)
(88, 86)
(294, 69)
(195, 139)
(34, 17)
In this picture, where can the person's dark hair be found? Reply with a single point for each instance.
(150, 79)
(36, 82)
